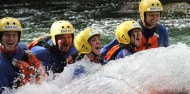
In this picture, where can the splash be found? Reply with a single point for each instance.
(154, 71)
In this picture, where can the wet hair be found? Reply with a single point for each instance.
(130, 32)
(93, 36)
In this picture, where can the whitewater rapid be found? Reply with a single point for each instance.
(155, 70)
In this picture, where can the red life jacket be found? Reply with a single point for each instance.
(152, 42)
(29, 70)
(39, 41)
(112, 52)
(33, 43)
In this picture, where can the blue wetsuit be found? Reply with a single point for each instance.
(123, 52)
(8, 72)
(80, 69)
(52, 58)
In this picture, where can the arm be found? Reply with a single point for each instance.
(39, 52)
(4, 79)
(123, 53)
(166, 39)
(106, 48)
(22, 45)
(163, 36)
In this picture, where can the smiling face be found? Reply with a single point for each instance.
(9, 40)
(64, 42)
(95, 43)
(152, 19)
(136, 36)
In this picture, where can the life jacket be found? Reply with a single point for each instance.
(41, 41)
(152, 42)
(30, 70)
(112, 52)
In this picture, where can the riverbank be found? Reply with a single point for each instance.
(83, 1)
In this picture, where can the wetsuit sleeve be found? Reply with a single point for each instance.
(123, 53)
(106, 48)
(72, 50)
(163, 36)
(119, 55)
(3, 79)
(39, 52)
(166, 39)
(22, 45)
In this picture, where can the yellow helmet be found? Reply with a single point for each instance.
(149, 5)
(61, 27)
(123, 29)
(81, 40)
(8, 24)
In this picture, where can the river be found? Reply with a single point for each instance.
(140, 73)
(37, 19)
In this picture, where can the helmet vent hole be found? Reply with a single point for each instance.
(14, 23)
(152, 4)
(157, 4)
(68, 26)
(83, 46)
(123, 37)
(8, 23)
(62, 26)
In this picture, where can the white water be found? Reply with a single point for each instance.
(161, 69)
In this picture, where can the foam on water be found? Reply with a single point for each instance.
(161, 69)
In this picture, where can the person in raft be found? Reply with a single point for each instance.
(154, 34)
(128, 34)
(88, 45)
(17, 65)
(55, 50)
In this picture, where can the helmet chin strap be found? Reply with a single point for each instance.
(95, 55)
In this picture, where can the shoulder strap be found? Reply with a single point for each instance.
(79, 57)
(41, 41)
(112, 52)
